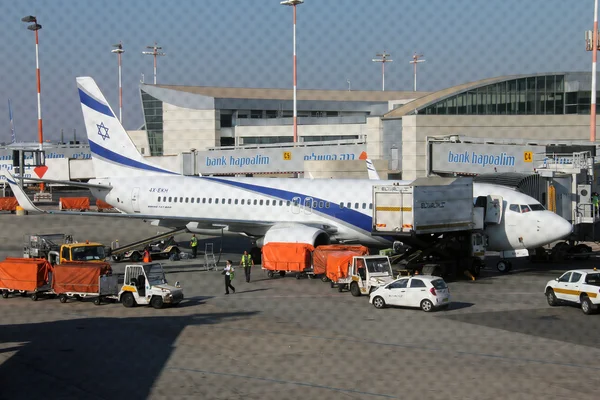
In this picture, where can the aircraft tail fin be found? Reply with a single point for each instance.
(113, 151)
(371, 170)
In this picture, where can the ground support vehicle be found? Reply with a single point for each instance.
(364, 273)
(60, 248)
(158, 247)
(25, 276)
(281, 258)
(580, 286)
(321, 254)
(437, 225)
(85, 279)
(146, 284)
(425, 292)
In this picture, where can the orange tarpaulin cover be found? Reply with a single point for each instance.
(74, 203)
(24, 273)
(8, 203)
(321, 252)
(79, 277)
(286, 256)
(337, 264)
(102, 205)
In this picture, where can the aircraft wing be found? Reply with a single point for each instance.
(67, 183)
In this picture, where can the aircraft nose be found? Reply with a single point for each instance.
(560, 227)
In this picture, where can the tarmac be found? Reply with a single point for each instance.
(287, 338)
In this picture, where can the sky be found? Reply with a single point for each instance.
(248, 43)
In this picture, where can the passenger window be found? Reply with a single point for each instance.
(210, 200)
(280, 202)
(356, 206)
(364, 206)
(417, 283)
(288, 203)
(170, 199)
(159, 199)
(191, 200)
(174, 199)
(222, 201)
(204, 200)
(236, 201)
(181, 199)
(401, 284)
(514, 207)
(198, 200)
(187, 199)
(349, 205)
(266, 202)
(255, 202)
(242, 201)
(229, 201)
(327, 205)
(164, 199)
(216, 201)
(321, 204)
(575, 277)
(314, 204)
(341, 205)
(370, 206)
(565, 277)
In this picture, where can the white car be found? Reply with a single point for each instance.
(423, 291)
(580, 286)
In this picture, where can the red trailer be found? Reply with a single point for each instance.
(321, 253)
(25, 276)
(84, 279)
(287, 257)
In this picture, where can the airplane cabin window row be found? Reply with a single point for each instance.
(307, 203)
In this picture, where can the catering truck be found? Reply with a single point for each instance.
(436, 224)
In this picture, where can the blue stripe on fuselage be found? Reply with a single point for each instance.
(94, 104)
(112, 156)
(348, 215)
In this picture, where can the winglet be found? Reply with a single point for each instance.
(371, 170)
(21, 196)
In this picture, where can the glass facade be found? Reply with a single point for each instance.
(534, 95)
(153, 118)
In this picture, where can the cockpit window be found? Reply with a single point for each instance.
(525, 208)
(536, 207)
(515, 208)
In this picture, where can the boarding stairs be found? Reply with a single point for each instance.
(209, 257)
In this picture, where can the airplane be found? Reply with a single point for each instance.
(313, 211)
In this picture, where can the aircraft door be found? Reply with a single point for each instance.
(308, 205)
(135, 199)
(493, 214)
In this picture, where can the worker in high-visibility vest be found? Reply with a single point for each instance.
(247, 263)
(194, 245)
(147, 257)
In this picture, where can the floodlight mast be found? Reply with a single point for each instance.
(294, 3)
(154, 53)
(383, 60)
(119, 50)
(36, 27)
(414, 61)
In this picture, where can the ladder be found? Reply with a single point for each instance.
(209, 257)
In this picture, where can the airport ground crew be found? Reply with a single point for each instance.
(595, 201)
(228, 272)
(247, 263)
(194, 245)
(147, 257)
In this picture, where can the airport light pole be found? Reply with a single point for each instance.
(414, 61)
(36, 27)
(154, 53)
(118, 51)
(383, 60)
(294, 3)
(592, 45)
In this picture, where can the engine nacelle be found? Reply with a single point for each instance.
(295, 233)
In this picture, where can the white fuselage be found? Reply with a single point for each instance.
(258, 203)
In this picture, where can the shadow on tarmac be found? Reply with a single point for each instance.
(93, 358)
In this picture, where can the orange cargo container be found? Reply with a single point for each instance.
(292, 257)
(74, 203)
(102, 205)
(321, 254)
(78, 277)
(27, 274)
(337, 264)
(8, 203)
